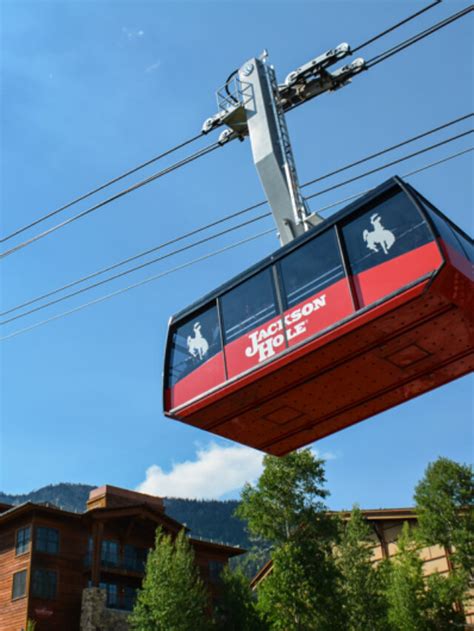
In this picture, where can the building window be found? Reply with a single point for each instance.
(110, 553)
(47, 540)
(111, 591)
(23, 536)
(134, 558)
(215, 570)
(44, 584)
(19, 585)
(129, 598)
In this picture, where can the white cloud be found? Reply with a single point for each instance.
(325, 455)
(131, 33)
(216, 470)
(153, 67)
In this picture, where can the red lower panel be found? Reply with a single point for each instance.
(204, 378)
(380, 281)
(318, 312)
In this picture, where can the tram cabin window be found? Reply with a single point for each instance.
(249, 311)
(194, 341)
(315, 290)
(389, 246)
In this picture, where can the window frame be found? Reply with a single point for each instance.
(51, 571)
(335, 228)
(25, 594)
(105, 562)
(39, 527)
(28, 545)
(276, 286)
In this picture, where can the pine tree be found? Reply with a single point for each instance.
(173, 597)
(361, 581)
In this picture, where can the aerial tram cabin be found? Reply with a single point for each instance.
(368, 309)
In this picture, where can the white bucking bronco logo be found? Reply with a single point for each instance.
(378, 236)
(197, 345)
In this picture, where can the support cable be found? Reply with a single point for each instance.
(394, 27)
(134, 257)
(142, 282)
(409, 174)
(100, 188)
(202, 258)
(416, 38)
(130, 189)
(383, 151)
(259, 218)
(389, 164)
(134, 269)
(224, 219)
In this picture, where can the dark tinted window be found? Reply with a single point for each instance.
(129, 597)
(110, 553)
(311, 268)
(448, 232)
(47, 540)
(19, 584)
(44, 584)
(23, 540)
(134, 558)
(215, 570)
(386, 230)
(193, 342)
(248, 305)
(111, 591)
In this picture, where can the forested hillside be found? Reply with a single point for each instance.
(210, 519)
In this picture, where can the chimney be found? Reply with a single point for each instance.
(114, 497)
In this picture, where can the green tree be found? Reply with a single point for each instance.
(236, 610)
(445, 509)
(406, 592)
(173, 597)
(361, 583)
(286, 508)
(287, 499)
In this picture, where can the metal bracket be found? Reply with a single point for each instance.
(253, 103)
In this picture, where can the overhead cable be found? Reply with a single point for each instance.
(416, 38)
(129, 259)
(394, 27)
(259, 218)
(224, 219)
(140, 283)
(130, 189)
(202, 258)
(430, 165)
(389, 164)
(135, 269)
(383, 151)
(99, 188)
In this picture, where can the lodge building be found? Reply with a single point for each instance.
(81, 571)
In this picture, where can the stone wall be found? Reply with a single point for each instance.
(96, 617)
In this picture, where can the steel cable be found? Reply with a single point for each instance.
(100, 188)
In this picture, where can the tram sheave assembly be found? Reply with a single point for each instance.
(372, 307)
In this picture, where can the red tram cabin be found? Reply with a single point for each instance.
(368, 309)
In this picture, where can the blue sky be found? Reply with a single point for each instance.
(91, 89)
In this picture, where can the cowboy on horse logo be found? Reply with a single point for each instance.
(197, 345)
(378, 236)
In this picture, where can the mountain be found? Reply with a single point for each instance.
(210, 519)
